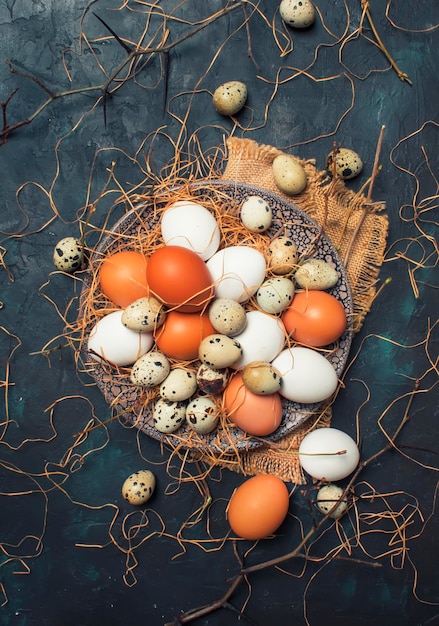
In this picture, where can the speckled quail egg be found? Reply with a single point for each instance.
(275, 294)
(316, 274)
(202, 415)
(230, 97)
(261, 378)
(210, 380)
(282, 255)
(139, 487)
(327, 496)
(168, 416)
(144, 314)
(289, 175)
(227, 316)
(180, 384)
(150, 369)
(68, 254)
(348, 163)
(219, 351)
(297, 13)
(256, 214)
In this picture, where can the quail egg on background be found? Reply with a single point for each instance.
(202, 415)
(68, 254)
(348, 163)
(150, 369)
(144, 314)
(139, 487)
(316, 274)
(275, 294)
(297, 13)
(327, 496)
(168, 416)
(256, 214)
(230, 97)
(227, 316)
(180, 384)
(289, 175)
(283, 255)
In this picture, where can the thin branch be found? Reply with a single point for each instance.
(105, 87)
(375, 171)
(120, 41)
(402, 75)
(190, 616)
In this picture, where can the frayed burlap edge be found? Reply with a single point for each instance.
(342, 209)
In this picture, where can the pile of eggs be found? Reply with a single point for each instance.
(213, 332)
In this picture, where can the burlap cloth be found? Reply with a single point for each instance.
(250, 162)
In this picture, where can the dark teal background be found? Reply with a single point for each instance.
(75, 586)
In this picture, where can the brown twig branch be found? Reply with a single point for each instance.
(103, 88)
(196, 613)
(375, 171)
(401, 75)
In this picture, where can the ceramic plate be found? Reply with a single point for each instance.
(303, 230)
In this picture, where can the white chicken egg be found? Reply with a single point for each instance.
(307, 376)
(328, 454)
(115, 343)
(261, 340)
(190, 225)
(347, 163)
(237, 272)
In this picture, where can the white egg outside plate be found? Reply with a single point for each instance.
(328, 454)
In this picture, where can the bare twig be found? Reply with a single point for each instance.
(401, 75)
(120, 41)
(375, 171)
(104, 88)
(193, 614)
